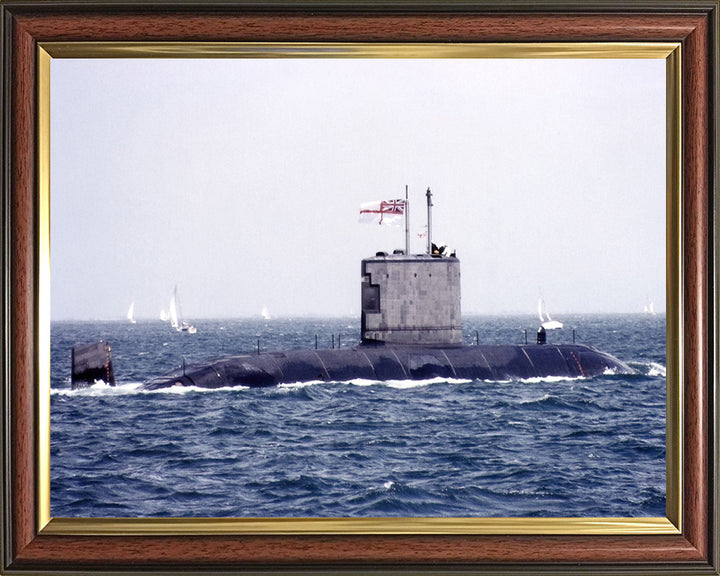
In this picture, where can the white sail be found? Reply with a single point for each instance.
(649, 308)
(540, 309)
(131, 313)
(164, 315)
(265, 313)
(173, 311)
(547, 322)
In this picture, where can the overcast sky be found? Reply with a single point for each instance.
(240, 180)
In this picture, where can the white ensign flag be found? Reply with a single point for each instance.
(383, 212)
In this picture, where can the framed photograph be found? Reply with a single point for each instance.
(96, 88)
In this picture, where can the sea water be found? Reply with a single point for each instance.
(532, 448)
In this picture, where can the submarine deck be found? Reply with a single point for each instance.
(397, 362)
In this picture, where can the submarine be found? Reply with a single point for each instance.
(411, 329)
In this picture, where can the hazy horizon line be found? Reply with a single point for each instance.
(257, 317)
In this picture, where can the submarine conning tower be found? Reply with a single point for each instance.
(411, 299)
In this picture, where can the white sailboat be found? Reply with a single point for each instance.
(545, 320)
(650, 308)
(175, 315)
(164, 316)
(265, 313)
(131, 313)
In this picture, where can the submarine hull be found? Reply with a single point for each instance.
(496, 362)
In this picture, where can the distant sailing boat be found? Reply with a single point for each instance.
(650, 308)
(131, 313)
(265, 313)
(547, 322)
(175, 315)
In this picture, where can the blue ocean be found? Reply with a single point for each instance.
(442, 448)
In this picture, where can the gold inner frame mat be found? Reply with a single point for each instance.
(670, 52)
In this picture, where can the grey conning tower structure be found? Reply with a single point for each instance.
(411, 299)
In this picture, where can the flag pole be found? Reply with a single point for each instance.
(429, 221)
(407, 222)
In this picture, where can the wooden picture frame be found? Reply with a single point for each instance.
(32, 544)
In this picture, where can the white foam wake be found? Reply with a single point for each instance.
(133, 388)
(100, 388)
(656, 369)
(405, 384)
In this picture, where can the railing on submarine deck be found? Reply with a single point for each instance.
(471, 337)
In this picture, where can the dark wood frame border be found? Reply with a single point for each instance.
(693, 23)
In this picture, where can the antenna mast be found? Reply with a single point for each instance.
(407, 222)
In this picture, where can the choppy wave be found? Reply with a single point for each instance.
(436, 447)
(657, 370)
(651, 369)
